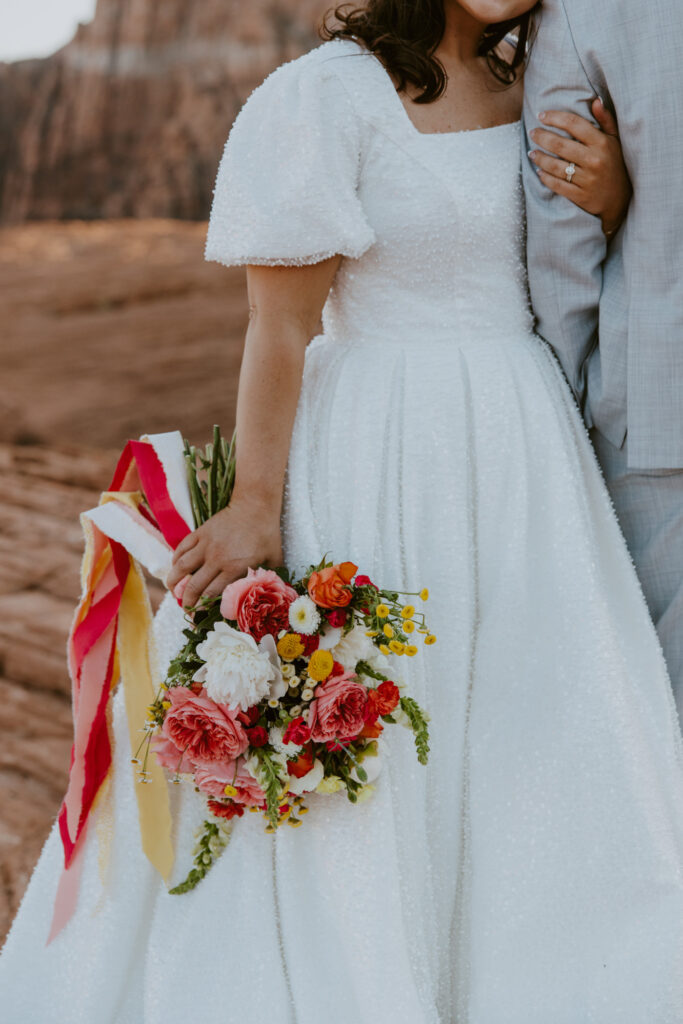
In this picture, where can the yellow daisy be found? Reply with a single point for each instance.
(382, 611)
(409, 626)
(430, 639)
(411, 650)
(396, 647)
(290, 647)
(320, 665)
(424, 594)
(387, 630)
(408, 611)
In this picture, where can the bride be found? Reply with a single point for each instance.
(533, 872)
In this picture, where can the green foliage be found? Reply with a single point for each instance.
(212, 836)
(418, 723)
(270, 783)
(211, 476)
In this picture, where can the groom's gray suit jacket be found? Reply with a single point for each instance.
(615, 317)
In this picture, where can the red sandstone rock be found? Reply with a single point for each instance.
(129, 119)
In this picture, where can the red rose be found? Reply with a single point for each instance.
(389, 696)
(337, 617)
(330, 588)
(202, 729)
(311, 643)
(365, 581)
(338, 709)
(226, 810)
(258, 736)
(372, 707)
(297, 732)
(259, 603)
(303, 764)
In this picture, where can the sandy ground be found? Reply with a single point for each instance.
(107, 330)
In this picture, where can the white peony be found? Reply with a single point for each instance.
(304, 616)
(330, 637)
(236, 671)
(355, 647)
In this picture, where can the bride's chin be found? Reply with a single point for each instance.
(490, 12)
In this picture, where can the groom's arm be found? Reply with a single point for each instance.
(566, 247)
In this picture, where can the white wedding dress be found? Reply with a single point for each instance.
(533, 872)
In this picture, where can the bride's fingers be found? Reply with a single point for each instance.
(186, 564)
(186, 545)
(217, 586)
(578, 127)
(557, 145)
(198, 585)
(561, 187)
(557, 168)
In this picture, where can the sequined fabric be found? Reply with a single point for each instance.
(532, 873)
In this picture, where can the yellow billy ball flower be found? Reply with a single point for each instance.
(387, 630)
(384, 649)
(230, 790)
(396, 647)
(409, 626)
(382, 611)
(290, 647)
(408, 611)
(320, 665)
(424, 594)
(430, 639)
(411, 650)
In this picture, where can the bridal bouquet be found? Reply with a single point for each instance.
(283, 687)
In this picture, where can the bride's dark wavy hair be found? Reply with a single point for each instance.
(404, 34)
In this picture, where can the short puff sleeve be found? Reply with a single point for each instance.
(287, 186)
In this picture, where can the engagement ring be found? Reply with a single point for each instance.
(570, 171)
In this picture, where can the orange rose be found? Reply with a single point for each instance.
(329, 588)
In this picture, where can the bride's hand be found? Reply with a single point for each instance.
(207, 556)
(600, 184)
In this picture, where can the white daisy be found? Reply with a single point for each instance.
(304, 616)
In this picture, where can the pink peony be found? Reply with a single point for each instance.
(206, 731)
(338, 710)
(169, 756)
(259, 603)
(213, 778)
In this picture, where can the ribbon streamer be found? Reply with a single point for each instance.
(111, 639)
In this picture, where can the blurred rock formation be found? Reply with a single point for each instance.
(129, 119)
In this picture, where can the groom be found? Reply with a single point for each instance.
(614, 314)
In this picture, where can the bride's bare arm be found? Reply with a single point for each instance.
(600, 184)
(285, 306)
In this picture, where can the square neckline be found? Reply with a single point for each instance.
(427, 135)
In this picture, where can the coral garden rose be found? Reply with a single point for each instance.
(170, 757)
(204, 730)
(213, 778)
(338, 710)
(259, 603)
(330, 588)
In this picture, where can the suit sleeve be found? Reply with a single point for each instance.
(566, 247)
